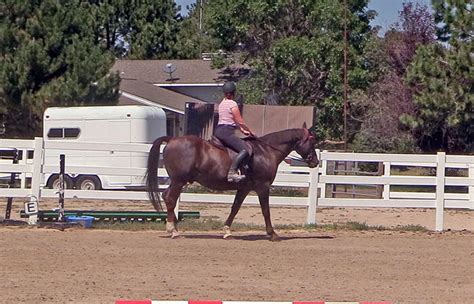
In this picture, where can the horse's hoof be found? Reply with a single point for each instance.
(227, 232)
(275, 238)
(175, 235)
(170, 227)
(227, 236)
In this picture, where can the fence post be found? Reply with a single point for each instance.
(440, 184)
(11, 184)
(312, 195)
(36, 179)
(471, 188)
(386, 186)
(324, 166)
(23, 174)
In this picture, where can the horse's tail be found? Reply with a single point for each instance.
(152, 172)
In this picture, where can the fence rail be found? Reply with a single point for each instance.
(318, 181)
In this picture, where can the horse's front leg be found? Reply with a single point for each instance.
(264, 198)
(238, 200)
(170, 197)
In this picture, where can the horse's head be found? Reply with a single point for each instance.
(305, 148)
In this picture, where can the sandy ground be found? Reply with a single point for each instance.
(40, 265)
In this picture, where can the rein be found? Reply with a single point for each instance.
(274, 148)
(306, 137)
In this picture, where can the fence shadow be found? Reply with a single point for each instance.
(251, 237)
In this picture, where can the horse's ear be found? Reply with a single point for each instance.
(304, 125)
(306, 134)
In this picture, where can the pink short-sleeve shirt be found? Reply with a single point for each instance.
(225, 112)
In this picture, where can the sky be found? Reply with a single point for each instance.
(387, 10)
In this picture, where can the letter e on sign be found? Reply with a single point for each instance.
(31, 207)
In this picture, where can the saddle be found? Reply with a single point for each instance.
(216, 142)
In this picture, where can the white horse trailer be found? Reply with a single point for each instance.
(107, 124)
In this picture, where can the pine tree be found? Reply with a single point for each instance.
(50, 57)
(112, 24)
(153, 29)
(443, 77)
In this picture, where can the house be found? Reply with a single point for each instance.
(170, 84)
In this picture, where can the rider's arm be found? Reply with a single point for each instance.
(240, 121)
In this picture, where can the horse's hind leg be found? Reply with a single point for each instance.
(170, 196)
(264, 198)
(238, 200)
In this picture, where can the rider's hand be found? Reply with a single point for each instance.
(248, 133)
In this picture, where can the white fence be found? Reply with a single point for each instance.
(316, 180)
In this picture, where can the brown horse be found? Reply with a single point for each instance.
(190, 159)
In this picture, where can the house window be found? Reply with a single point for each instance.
(61, 133)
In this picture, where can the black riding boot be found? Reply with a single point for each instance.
(233, 175)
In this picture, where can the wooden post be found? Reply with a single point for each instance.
(440, 184)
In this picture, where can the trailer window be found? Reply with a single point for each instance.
(55, 133)
(63, 133)
(71, 132)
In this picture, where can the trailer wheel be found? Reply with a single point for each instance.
(53, 182)
(88, 182)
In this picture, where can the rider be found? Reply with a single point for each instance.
(229, 119)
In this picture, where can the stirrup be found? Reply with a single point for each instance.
(235, 178)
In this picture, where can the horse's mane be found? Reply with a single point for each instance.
(284, 136)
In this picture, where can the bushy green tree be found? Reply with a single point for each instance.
(49, 57)
(296, 50)
(388, 97)
(442, 76)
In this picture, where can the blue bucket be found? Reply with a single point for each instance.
(84, 220)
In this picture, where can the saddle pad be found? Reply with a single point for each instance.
(216, 142)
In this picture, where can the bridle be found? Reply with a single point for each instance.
(307, 136)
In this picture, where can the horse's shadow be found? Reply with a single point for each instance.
(250, 237)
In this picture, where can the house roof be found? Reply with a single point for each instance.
(134, 90)
(187, 71)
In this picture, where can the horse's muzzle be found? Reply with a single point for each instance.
(312, 161)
